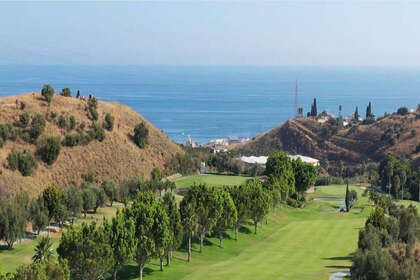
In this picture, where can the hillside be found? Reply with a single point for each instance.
(392, 134)
(117, 157)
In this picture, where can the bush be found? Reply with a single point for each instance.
(1, 142)
(4, 131)
(48, 93)
(402, 111)
(141, 132)
(24, 119)
(65, 92)
(37, 126)
(25, 162)
(13, 160)
(71, 140)
(97, 132)
(49, 149)
(14, 133)
(72, 123)
(62, 122)
(92, 106)
(109, 122)
(418, 148)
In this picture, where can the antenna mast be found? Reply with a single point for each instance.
(296, 101)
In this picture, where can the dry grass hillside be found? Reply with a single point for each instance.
(352, 145)
(117, 157)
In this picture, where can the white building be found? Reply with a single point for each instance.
(263, 159)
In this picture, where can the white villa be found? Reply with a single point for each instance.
(263, 159)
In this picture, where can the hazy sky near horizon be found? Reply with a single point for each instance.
(317, 33)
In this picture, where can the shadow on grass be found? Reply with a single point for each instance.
(245, 230)
(132, 271)
(345, 258)
(5, 248)
(338, 266)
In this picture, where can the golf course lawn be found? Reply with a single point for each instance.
(211, 180)
(308, 243)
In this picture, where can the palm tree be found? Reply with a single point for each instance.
(43, 250)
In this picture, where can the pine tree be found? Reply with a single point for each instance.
(347, 198)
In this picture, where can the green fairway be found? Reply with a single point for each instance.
(211, 180)
(308, 243)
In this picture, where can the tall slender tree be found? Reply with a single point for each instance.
(228, 216)
(259, 202)
(241, 199)
(188, 219)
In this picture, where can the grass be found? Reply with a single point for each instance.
(308, 243)
(211, 180)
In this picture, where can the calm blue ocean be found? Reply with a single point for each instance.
(208, 102)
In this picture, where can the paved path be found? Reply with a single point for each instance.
(339, 275)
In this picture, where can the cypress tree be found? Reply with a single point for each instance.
(356, 114)
(347, 198)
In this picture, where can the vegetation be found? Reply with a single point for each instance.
(22, 161)
(92, 107)
(24, 119)
(141, 132)
(65, 92)
(47, 92)
(37, 126)
(109, 122)
(388, 245)
(49, 149)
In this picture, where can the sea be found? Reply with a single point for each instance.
(210, 102)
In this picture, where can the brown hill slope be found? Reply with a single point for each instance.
(117, 157)
(352, 145)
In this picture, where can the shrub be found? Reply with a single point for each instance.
(62, 122)
(22, 105)
(53, 115)
(109, 122)
(72, 123)
(402, 111)
(71, 140)
(26, 163)
(37, 126)
(24, 119)
(4, 131)
(141, 132)
(1, 142)
(413, 133)
(65, 92)
(418, 148)
(49, 149)
(13, 160)
(14, 133)
(92, 106)
(48, 92)
(97, 132)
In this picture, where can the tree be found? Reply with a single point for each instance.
(377, 218)
(369, 114)
(279, 169)
(241, 199)
(356, 114)
(38, 215)
(175, 227)
(87, 251)
(351, 197)
(61, 215)
(72, 198)
(48, 92)
(188, 213)
(49, 149)
(207, 210)
(259, 202)
(97, 132)
(110, 190)
(24, 119)
(402, 111)
(52, 200)
(121, 237)
(89, 199)
(100, 198)
(66, 92)
(37, 126)
(151, 228)
(314, 109)
(109, 122)
(43, 250)
(12, 222)
(228, 216)
(305, 175)
(141, 132)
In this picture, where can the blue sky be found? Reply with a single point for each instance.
(211, 32)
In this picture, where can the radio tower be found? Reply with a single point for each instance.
(296, 101)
